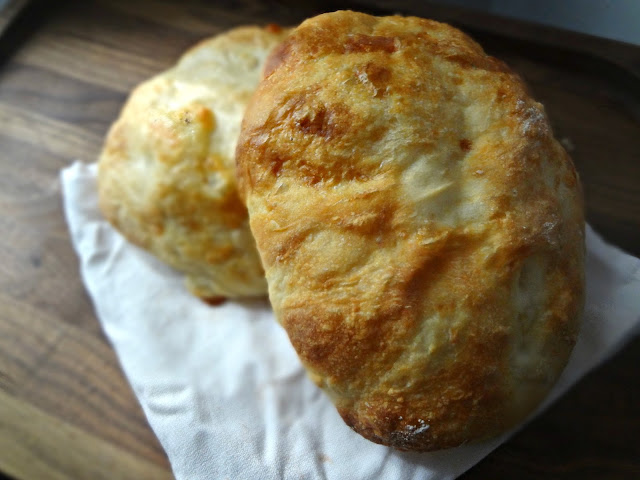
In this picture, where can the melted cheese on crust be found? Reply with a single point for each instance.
(167, 170)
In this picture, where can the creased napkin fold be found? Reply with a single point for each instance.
(223, 389)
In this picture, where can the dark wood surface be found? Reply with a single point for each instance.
(66, 410)
(10, 10)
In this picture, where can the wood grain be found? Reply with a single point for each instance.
(63, 452)
(66, 410)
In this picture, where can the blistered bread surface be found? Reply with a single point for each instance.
(167, 170)
(420, 228)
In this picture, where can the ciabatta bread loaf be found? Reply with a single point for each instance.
(167, 170)
(420, 227)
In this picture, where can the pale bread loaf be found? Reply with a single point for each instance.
(167, 170)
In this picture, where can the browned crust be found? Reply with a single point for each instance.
(420, 228)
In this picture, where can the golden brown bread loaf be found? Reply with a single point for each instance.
(167, 170)
(420, 228)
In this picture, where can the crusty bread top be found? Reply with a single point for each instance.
(420, 228)
(167, 170)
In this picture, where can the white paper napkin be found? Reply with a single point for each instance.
(223, 389)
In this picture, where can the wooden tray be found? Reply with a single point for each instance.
(66, 67)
